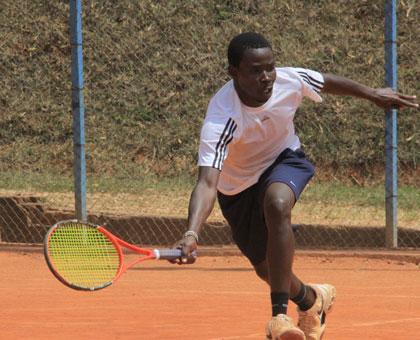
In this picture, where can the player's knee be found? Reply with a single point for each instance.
(278, 206)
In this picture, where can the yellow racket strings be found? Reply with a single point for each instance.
(83, 256)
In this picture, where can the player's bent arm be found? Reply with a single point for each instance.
(383, 97)
(202, 197)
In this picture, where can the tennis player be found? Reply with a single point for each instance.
(251, 159)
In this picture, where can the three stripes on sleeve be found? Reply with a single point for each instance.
(315, 84)
(225, 138)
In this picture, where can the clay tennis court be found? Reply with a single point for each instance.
(216, 298)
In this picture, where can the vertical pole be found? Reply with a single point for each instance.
(77, 104)
(391, 171)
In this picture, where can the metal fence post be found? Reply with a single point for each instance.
(391, 172)
(78, 109)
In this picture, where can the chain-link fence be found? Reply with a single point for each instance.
(150, 69)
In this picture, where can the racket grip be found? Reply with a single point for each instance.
(173, 254)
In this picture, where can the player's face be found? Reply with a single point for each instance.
(255, 76)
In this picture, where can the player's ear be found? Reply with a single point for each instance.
(233, 71)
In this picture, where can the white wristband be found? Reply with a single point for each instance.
(193, 234)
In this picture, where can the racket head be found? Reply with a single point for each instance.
(81, 256)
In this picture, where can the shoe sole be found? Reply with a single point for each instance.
(331, 301)
(329, 307)
(290, 335)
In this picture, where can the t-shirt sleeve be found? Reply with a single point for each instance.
(216, 134)
(312, 82)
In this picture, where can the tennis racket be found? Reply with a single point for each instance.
(85, 256)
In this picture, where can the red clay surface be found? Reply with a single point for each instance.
(216, 298)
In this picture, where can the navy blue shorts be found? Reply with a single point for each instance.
(244, 211)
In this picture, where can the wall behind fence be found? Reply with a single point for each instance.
(150, 69)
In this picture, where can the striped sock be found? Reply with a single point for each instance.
(279, 303)
(305, 298)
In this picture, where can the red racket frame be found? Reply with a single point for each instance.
(119, 244)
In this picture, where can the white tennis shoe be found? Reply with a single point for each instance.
(312, 321)
(281, 327)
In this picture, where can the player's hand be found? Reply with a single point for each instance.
(188, 244)
(387, 98)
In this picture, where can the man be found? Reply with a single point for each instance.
(250, 158)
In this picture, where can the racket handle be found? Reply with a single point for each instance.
(173, 254)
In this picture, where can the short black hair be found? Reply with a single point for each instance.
(242, 42)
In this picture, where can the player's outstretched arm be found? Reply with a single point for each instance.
(201, 204)
(383, 97)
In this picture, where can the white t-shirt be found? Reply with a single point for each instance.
(243, 141)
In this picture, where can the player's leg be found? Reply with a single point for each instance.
(278, 203)
(246, 219)
(245, 215)
(277, 206)
(301, 294)
(293, 170)
(313, 301)
(306, 296)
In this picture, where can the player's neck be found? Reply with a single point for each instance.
(245, 99)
